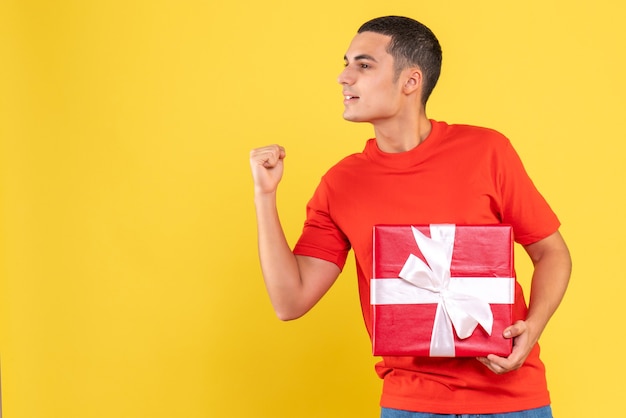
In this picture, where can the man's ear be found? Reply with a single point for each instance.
(413, 80)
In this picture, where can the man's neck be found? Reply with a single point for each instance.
(402, 135)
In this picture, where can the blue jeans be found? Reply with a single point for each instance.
(544, 412)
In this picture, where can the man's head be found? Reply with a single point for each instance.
(411, 44)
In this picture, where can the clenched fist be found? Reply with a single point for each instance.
(267, 168)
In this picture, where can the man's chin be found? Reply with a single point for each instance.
(353, 118)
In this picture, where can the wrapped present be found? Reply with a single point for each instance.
(442, 290)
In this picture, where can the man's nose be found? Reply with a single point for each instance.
(345, 77)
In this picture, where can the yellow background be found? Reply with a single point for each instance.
(130, 285)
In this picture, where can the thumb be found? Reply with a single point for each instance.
(514, 330)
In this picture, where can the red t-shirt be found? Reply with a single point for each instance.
(462, 175)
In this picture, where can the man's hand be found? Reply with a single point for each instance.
(267, 168)
(553, 266)
(522, 345)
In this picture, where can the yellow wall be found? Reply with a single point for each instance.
(130, 285)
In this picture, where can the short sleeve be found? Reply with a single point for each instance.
(522, 204)
(321, 238)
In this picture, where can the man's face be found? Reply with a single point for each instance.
(371, 93)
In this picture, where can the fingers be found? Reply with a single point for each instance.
(501, 365)
(521, 349)
(267, 156)
(493, 364)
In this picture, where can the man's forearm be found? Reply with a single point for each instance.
(549, 283)
(278, 263)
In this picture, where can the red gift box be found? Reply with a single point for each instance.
(442, 290)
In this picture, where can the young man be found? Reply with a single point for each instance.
(416, 171)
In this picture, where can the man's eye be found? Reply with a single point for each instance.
(365, 66)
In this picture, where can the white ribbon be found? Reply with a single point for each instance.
(462, 303)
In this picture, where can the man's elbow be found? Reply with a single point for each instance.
(289, 314)
(285, 317)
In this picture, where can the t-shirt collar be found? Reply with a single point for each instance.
(411, 158)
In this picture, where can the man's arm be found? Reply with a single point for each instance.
(552, 269)
(294, 283)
